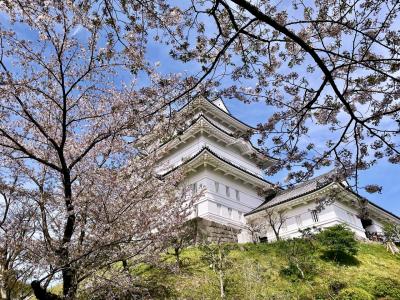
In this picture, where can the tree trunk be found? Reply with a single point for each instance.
(41, 293)
(177, 256)
(5, 289)
(221, 284)
(276, 234)
(221, 273)
(69, 285)
(68, 272)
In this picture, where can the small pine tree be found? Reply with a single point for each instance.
(338, 241)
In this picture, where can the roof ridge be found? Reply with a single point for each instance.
(369, 202)
(312, 180)
(209, 101)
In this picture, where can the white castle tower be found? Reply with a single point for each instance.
(217, 160)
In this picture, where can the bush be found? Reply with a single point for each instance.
(337, 286)
(391, 232)
(300, 258)
(338, 242)
(354, 294)
(387, 287)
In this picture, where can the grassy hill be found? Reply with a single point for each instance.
(262, 271)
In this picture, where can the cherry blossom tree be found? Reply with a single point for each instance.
(81, 104)
(319, 66)
(75, 131)
(17, 227)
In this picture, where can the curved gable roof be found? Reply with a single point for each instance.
(314, 185)
(213, 109)
(258, 152)
(206, 150)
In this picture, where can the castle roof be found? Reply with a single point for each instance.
(218, 111)
(204, 124)
(316, 187)
(207, 157)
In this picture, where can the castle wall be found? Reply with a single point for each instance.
(213, 232)
(192, 147)
(224, 199)
(301, 217)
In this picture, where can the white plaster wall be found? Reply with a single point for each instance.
(186, 151)
(300, 218)
(194, 146)
(215, 205)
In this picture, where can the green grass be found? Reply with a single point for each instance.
(256, 273)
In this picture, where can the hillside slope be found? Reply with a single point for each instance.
(261, 272)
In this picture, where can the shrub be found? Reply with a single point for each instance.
(354, 294)
(391, 232)
(387, 287)
(337, 286)
(338, 242)
(300, 257)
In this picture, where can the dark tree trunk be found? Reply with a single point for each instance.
(68, 272)
(177, 256)
(41, 293)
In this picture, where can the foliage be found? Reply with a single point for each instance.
(216, 256)
(184, 236)
(300, 258)
(338, 242)
(336, 286)
(392, 232)
(255, 230)
(16, 225)
(82, 107)
(77, 134)
(354, 294)
(387, 287)
(316, 65)
(255, 273)
(275, 219)
(309, 232)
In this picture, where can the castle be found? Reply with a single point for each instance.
(227, 168)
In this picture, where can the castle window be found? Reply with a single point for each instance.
(237, 195)
(219, 209)
(194, 187)
(216, 185)
(314, 215)
(240, 215)
(350, 217)
(298, 221)
(284, 226)
(230, 213)
(227, 191)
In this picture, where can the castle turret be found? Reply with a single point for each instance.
(217, 159)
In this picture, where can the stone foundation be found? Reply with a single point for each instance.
(212, 232)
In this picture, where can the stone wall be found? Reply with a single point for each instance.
(209, 231)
